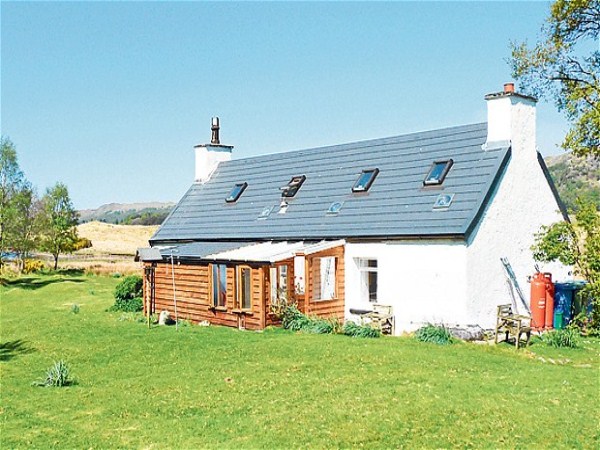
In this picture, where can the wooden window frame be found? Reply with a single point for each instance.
(214, 303)
(318, 298)
(239, 288)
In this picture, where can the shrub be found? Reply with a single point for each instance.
(292, 319)
(128, 295)
(362, 331)
(436, 334)
(567, 337)
(56, 376)
(33, 266)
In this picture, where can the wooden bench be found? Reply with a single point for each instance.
(512, 325)
(382, 317)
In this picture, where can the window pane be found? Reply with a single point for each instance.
(283, 284)
(236, 192)
(368, 280)
(365, 180)
(222, 284)
(372, 286)
(245, 289)
(438, 172)
(215, 284)
(327, 274)
(274, 286)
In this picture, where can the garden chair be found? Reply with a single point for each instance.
(512, 324)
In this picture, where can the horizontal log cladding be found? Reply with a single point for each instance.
(193, 294)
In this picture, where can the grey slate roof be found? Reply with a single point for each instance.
(397, 204)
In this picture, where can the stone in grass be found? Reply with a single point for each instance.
(165, 318)
(468, 333)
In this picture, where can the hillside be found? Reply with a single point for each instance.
(115, 239)
(149, 213)
(575, 177)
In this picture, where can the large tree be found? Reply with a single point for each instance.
(12, 181)
(565, 66)
(60, 222)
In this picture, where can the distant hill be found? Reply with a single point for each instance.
(150, 213)
(575, 177)
(114, 239)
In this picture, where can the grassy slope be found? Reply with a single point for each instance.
(115, 239)
(217, 387)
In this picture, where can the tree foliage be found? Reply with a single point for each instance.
(576, 244)
(60, 222)
(565, 66)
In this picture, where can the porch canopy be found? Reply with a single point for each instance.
(259, 252)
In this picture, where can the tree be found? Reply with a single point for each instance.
(59, 222)
(12, 181)
(576, 244)
(26, 227)
(560, 67)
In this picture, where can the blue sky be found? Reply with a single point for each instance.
(110, 98)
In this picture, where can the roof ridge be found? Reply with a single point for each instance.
(458, 129)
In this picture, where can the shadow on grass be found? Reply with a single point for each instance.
(10, 349)
(33, 282)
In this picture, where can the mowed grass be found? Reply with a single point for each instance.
(224, 388)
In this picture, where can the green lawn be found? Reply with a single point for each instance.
(218, 387)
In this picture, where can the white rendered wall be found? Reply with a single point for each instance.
(208, 158)
(522, 203)
(424, 281)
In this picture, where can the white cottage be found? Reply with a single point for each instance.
(417, 222)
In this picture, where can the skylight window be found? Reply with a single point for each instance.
(335, 207)
(443, 201)
(266, 212)
(293, 186)
(437, 172)
(365, 180)
(237, 190)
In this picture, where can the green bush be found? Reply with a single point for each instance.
(292, 319)
(362, 331)
(436, 334)
(58, 375)
(128, 295)
(567, 337)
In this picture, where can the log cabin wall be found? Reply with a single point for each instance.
(193, 289)
(325, 308)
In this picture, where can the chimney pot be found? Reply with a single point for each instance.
(214, 127)
(509, 88)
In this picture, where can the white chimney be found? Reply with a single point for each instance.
(208, 156)
(511, 121)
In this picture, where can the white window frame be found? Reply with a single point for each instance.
(365, 270)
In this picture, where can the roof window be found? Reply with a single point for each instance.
(365, 180)
(235, 193)
(437, 172)
(335, 207)
(293, 186)
(443, 201)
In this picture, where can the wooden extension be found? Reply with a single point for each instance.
(512, 325)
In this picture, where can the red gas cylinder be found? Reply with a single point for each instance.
(549, 317)
(537, 301)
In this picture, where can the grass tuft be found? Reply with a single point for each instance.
(567, 337)
(436, 334)
(58, 375)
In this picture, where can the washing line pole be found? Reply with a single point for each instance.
(174, 295)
